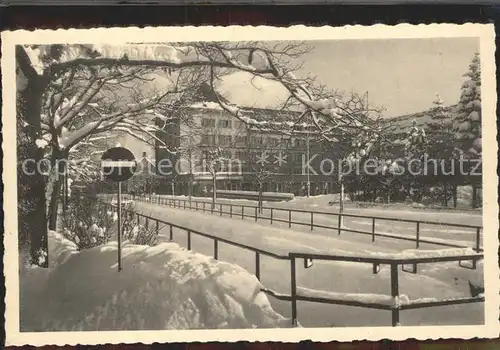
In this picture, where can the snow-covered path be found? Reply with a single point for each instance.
(461, 236)
(433, 280)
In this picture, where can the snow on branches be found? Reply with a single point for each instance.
(415, 142)
(468, 125)
(335, 115)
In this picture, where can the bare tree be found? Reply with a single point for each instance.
(65, 104)
(267, 160)
(214, 162)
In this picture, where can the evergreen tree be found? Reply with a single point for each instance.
(468, 124)
(416, 142)
(440, 131)
(415, 154)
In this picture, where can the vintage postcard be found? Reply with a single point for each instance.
(185, 184)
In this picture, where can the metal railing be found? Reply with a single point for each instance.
(390, 303)
(254, 212)
(393, 303)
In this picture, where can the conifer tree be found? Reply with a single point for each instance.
(468, 124)
(441, 138)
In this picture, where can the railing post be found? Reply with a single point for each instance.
(255, 214)
(418, 234)
(230, 210)
(212, 206)
(220, 209)
(312, 221)
(157, 227)
(271, 216)
(184, 204)
(289, 218)
(171, 232)
(373, 229)
(147, 222)
(204, 206)
(339, 222)
(395, 293)
(216, 249)
(242, 212)
(257, 265)
(138, 219)
(189, 240)
(478, 246)
(478, 239)
(293, 293)
(196, 205)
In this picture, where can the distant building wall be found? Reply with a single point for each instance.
(208, 128)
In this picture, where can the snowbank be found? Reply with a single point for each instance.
(160, 287)
(60, 249)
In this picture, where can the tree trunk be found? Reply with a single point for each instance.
(260, 198)
(190, 190)
(58, 163)
(445, 194)
(474, 196)
(214, 190)
(455, 195)
(65, 192)
(32, 221)
(341, 196)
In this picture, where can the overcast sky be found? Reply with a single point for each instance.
(403, 75)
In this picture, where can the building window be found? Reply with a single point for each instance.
(224, 123)
(238, 124)
(224, 140)
(256, 140)
(241, 155)
(208, 123)
(207, 139)
(241, 140)
(298, 157)
(226, 153)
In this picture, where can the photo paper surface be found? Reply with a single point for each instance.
(179, 184)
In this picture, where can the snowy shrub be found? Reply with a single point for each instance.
(408, 200)
(379, 200)
(426, 200)
(137, 233)
(141, 235)
(87, 223)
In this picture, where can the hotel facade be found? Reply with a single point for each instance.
(251, 153)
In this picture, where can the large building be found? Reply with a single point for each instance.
(251, 153)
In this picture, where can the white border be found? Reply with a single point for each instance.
(485, 32)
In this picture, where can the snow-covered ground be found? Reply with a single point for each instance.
(161, 287)
(438, 281)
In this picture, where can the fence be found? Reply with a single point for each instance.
(253, 211)
(381, 302)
